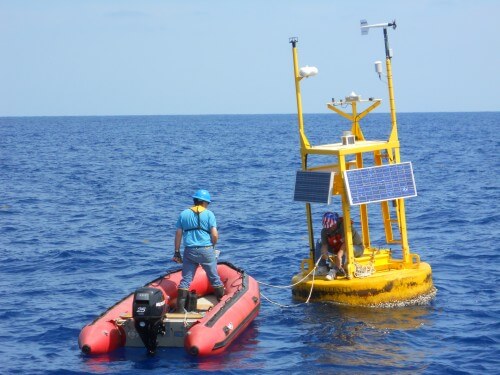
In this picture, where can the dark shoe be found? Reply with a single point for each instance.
(182, 294)
(341, 272)
(219, 292)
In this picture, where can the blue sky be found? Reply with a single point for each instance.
(152, 57)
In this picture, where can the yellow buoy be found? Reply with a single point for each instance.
(377, 278)
(386, 288)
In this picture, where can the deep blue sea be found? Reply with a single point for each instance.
(87, 213)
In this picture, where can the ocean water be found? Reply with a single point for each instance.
(87, 213)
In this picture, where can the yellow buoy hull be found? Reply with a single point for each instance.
(388, 287)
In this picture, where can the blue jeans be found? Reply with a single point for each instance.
(203, 256)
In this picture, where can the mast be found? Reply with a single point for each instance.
(304, 142)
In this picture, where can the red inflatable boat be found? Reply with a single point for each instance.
(143, 317)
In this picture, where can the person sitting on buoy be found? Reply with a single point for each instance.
(197, 228)
(333, 241)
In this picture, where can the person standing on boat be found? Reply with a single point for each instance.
(197, 228)
(333, 241)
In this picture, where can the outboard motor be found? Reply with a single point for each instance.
(148, 310)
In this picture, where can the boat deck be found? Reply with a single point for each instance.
(176, 325)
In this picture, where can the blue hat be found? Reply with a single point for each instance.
(202, 195)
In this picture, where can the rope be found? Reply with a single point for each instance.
(313, 271)
(365, 271)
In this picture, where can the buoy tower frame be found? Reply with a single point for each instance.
(351, 156)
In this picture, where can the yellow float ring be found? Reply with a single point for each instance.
(392, 287)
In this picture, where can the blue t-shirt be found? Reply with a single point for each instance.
(198, 237)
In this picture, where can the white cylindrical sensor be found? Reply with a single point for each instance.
(308, 71)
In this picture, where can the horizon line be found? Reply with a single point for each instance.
(231, 114)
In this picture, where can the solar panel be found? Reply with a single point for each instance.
(380, 183)
(313, 187)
